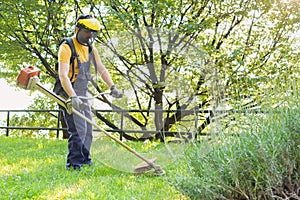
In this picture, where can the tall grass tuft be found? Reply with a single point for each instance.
(260, 161)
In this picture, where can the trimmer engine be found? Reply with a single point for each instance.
(29, 79)
(26, 74)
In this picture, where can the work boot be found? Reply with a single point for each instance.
(89, 163)
(76, 167)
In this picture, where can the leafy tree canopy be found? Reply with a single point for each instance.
(166, 54)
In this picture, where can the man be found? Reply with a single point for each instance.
(75, 84)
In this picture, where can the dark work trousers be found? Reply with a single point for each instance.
(80, 140)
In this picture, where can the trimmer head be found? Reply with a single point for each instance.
(158, 171)
(145, 167)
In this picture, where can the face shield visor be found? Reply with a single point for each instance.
(87, 30)
(86, 37)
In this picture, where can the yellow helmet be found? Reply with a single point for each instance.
(88, 22)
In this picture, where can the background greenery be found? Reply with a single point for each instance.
(259, 161)
(236, 59)
(262, 163)
(165, 54)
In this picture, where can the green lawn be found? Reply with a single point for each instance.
(35, 169)
(257, 158)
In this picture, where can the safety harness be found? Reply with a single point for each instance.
(58, 89)
(74, 55)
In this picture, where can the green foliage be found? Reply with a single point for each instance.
(165, 54)
(31, 33)
(259, 161)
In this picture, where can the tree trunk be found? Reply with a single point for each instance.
(158, 116)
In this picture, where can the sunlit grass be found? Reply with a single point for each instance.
(35, 169)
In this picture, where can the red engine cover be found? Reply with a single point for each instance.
(25, 75)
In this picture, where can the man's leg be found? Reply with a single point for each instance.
(75, 157)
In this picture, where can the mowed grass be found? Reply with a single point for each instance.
(35, 169)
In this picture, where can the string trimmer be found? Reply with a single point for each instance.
(29, 79)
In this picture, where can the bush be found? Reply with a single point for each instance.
(261, 162)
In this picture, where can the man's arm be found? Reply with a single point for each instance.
(114, 92)
(63, 70)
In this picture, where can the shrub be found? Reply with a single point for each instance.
(261, 162)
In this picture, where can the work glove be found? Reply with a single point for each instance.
(77, 104)
(114, 92)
